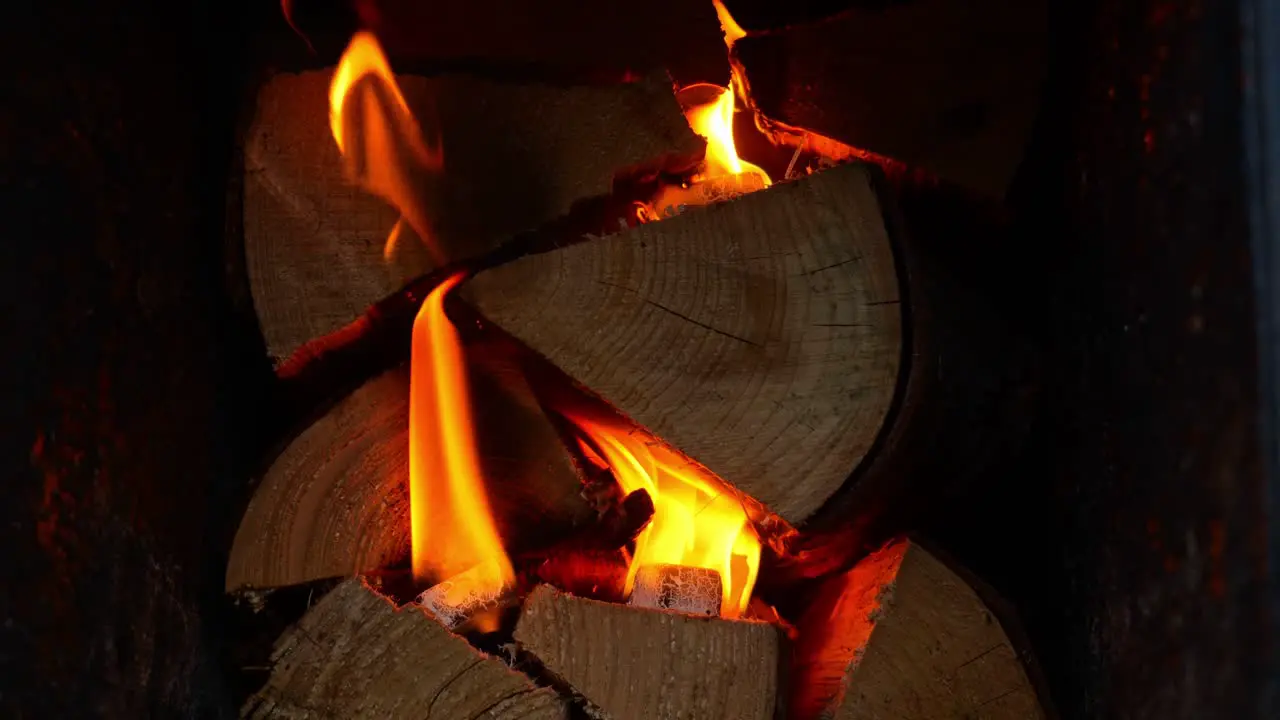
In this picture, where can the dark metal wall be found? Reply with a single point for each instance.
(122, 363)
(1136, 534)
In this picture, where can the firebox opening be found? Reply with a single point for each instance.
(852, 309)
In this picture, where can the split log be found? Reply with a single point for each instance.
(761, 337)
(515, 156)
(557, 38)
(335, 501)
(639, 664)
(902, 635)
(951, 86)
(355, 655)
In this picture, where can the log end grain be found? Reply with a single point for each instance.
(515, 156)
(354, 654)
(638, 664)
(760, 337)
(902, 635)
(335, 501)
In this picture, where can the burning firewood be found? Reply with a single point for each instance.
(457, 600)
(335, 501)
(688, 590)
(947, 85)
(636, 663)
(902, 635)
(761, 337)
(512, 156)
(354, 654)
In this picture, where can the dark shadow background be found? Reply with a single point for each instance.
(1134, 532)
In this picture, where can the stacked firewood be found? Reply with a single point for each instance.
(788, 340)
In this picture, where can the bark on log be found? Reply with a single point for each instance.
(515, 156)
(335, 501)
(761, 337)
(902, 635)
(355, 655)
(951, 86)
(558, 38)
(638, 664)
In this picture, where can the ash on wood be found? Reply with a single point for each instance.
(902, 635)
(688, 590)
(335, 501)
(515, 156)
(761, 337)
(356, 655)
(638, 664)
(951, 86)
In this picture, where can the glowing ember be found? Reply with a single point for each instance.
(697, 521)
(452, 528)
(380, 139)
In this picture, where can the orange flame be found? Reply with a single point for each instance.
(733, 32)
(380, 140)
(709, 110)
(452, 528)
(697, 520)
(714, 121)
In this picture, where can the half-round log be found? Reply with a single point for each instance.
(515, 156)
(904, 635)
(335, 501)
(761, 337)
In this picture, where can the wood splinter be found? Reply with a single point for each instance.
(354, 654)
(639, 664)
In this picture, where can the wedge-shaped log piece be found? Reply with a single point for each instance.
(354, 655)
(335, 501)
(902, 635)
(761, 337)
(514, 157)
(640, 664)
(952, 86)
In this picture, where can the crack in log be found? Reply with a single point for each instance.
(682, 316)
(510, 696)
(834, 265)
(454, 678)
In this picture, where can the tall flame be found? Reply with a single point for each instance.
(380, 140)
(697, 521)
(452, 528)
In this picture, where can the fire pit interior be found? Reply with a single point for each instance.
(679, 359)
